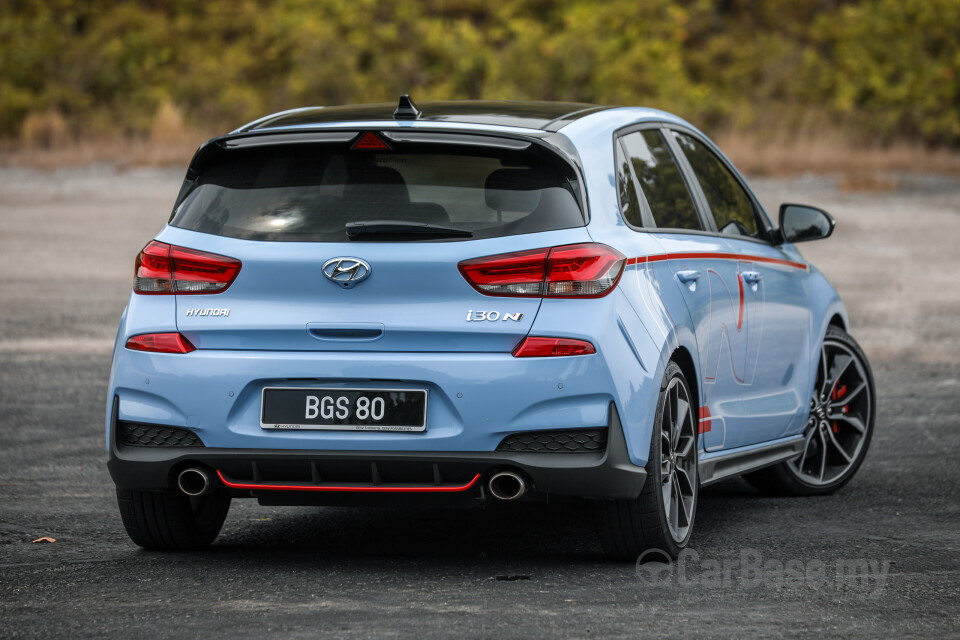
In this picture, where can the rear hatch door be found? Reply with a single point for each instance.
(356, 245)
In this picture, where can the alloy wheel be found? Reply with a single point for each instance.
(839, 417)
(678, 460)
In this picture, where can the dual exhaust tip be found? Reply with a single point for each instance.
(507, 485)
(503, 485)
(194, 482)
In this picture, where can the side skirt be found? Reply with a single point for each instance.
(720, 465)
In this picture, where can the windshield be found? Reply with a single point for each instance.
(311, 192)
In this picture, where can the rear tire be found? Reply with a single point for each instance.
(171, 521)
(661, 517)
(838, 437)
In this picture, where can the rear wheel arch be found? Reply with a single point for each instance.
(685, 361)
(660, 520)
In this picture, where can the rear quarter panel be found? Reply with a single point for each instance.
(667, 326)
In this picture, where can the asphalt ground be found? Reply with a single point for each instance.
(881, 558)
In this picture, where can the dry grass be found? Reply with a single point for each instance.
(858, 168)
(45, 130)
(122, 152)
(44, 144)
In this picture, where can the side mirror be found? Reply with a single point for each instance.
(800, 223)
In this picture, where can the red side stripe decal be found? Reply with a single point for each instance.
(716, 256)
(704, 420)
(365, 489)
(740, 317)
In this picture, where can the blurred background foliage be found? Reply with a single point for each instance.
(878, 70)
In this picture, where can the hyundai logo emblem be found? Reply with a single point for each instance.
(346, 271)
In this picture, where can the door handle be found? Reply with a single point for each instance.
(688, 276)
(752, 277)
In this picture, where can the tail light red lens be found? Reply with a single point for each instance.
(160, 343)
(153, 272)
(167, 269)
(573, 271)
(537, 347)
(588, 270)
(508, 274)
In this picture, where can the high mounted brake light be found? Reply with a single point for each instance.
(164, 269)
(370, 142)
(586, 270)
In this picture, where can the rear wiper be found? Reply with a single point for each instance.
(402, 230)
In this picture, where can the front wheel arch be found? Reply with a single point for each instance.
(838, 322)
(785, 479)
(662, 517)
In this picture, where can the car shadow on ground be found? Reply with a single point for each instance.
(512, 534)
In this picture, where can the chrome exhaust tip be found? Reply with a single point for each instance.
(193, 482)
(507, 485)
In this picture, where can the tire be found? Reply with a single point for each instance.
(171, 521)
(628, 528)
(839, 439)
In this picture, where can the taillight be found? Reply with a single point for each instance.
(160, 343)
(538, 347)
(571, 271)
(167, 269)
(508, 274)
(589, 270)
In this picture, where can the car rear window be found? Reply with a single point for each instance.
(310, 192)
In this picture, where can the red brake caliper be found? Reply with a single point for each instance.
(837, 394)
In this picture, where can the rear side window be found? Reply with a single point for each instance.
(310, 192)
(731, 206)
(661, 181)
(627, 191)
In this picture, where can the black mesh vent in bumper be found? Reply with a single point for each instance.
(134, 434)
(573, 441)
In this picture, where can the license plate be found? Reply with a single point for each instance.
(343, 409)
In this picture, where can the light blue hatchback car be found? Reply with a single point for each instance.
(476, 301)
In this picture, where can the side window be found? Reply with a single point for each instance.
(730, 204)
(626, 191)
(661, 181)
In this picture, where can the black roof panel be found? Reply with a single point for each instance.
(549, 116)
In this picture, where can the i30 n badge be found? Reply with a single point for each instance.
(569, 300)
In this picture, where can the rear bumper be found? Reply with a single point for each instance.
(304, 475)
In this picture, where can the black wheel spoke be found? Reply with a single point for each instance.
(806, 447)
(836, 445)
(680, 516)
(822, 378)
(848, 396)
(673, 514)
(683, 482)
(853, 421)
(683, 409)
(823, 456)
(830, 388)
(686, 517)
